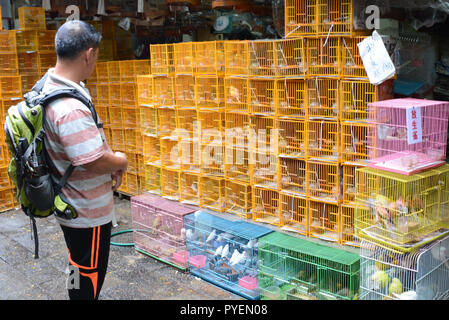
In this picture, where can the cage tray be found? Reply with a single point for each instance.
(395, 163)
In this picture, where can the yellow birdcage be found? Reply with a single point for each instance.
(323, 98)
(290, 58)
(27, 40)
(292, 176)
(149, 121)
(323, 140)
(351, 62)
(131, 118)
(187, 124)
(291, 98)
(130, 69)
(132, 162)
(266, 206)
(262, 96)
(263, 134)
(184, 58)
(9, 41)
(190, 154)
(237, 130)
(212, 192)
(354, 140)
(236, 94)
(189, 185)
(103, 94)
(212, 140)
(209, 92)
(349, 182)
(355, 95)
(184, 86)
(102, 73)
(47, 60)
(152, 182)
(170, 184)
(323, 57)
(323, 181)
(29, 80)
(4, 155)
(151, 150)
(335, 17)
(236, 57)
(403, 211)
(347, 233)
(133, 140)
(265, 169)
(103, 113)
(28, 62)
(237, 166)
(162, 59)
(145, 90)
(238, 198)
(118, 142)
(7, 200)
(113, 68)
(115, 116)
(128, 94)
(46, 40)
(293, 213)
(164, 91)
(32, 18)
(167, 122)
(261, 58)
(9, 64)
(209, 57)
(324, 221)
(170, 153)
(10, 87)
(300, 18)
(292, 137)
(134, 184)
(5, 182)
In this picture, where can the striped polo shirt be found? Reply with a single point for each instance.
(73, 137)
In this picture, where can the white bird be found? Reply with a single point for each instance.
(219, 250)
(189, 234)
(211, 236)
(241, 257)
(408, 295)
(183, 234)
(234, 255)
(251, 243)
(225, 251)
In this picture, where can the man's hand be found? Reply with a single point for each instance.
(116, 180)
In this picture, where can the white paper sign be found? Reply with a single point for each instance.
(414, 125)
(377, 62)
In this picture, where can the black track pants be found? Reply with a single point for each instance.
(88, 251)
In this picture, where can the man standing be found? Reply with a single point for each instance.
(73, 137)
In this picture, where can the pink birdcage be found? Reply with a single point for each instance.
(407, 135)
(159, 231)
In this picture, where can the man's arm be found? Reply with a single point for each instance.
(109, 163)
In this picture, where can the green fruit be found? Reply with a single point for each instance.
(381, 278)
(395, 286)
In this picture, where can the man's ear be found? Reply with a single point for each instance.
(90, 55)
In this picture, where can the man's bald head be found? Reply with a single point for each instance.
(74, 37)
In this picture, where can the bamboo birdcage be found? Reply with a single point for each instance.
(292, 175)
(347, 232)
(237, 165)
(10, 87)
(355, 97)
(236, 94)
(261, 58)
(290, 58)
(27, 40)
(164, 91)
(8, 41)
(294, 212)
(264, 136)
(323, 98)
(184, 58)
(170, 153)
(170, 184)
(209, 57)
(209, 92)
(145, 90)
(212, 192)
(323, 57)
(189, 185)
(292, 137)
(401, 212)
(32, 18)
(291, 98)
(236, 58)
(266, 206)
(354, 142)
(238, 198)
(300, 18)
(261, 96)
(184, 86)
(152, 182)
(162, 59)
(9, 64)
(349, 182)
(151, 149)
(323, 140)
(167, 122)
(149, 121)
(237, 130)
(323, 181)
(324, 220)
(351, 61)
(212, 140)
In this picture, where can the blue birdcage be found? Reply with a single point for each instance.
(224, 252)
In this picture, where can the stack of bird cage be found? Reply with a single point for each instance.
(337, 94)
(159, 230)
(10, 94)
(224, 252)
(295, 269)
(402, 196)
(114, 90)
(418, 275)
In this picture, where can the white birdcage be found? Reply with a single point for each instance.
(420, 275)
